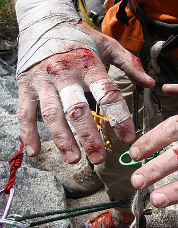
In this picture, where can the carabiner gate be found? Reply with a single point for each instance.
(8, 205)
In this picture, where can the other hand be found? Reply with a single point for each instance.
(163, 165)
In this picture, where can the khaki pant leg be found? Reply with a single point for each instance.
(115, 176)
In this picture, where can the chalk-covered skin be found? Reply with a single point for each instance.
(44, 81)
(167, 163)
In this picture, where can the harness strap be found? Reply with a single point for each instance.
(163, 29)
(121, 14)
(170, 44)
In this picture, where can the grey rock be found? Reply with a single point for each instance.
(35, 191)
(3, 71)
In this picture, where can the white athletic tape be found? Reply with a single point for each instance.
(116, 112)
(100, 88)
(72, 95)
(48, 27)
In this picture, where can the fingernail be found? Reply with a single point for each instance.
(138, 181)
(96, 158)
(135, 153)
(160, 199)
(71, 157)
(30, 151)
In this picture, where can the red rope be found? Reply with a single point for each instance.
(15, 163)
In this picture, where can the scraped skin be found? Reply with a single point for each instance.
(165, 164)
(42, 83)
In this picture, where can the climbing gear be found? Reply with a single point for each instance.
(135, 164)
(152, 56)
(10, 221)
(8, 204)
(15, 163)
(91, 17)
(110, 219)
(70, 213)
(83, 183)
(162, 28)
(150, 26)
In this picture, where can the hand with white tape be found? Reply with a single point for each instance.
(59, 58)
(163, 165)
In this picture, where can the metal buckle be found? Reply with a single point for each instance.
(11, 220)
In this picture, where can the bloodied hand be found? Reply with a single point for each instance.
(165, 164)
(57, 62)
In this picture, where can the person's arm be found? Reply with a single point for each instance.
(165, 164)
(59, 58)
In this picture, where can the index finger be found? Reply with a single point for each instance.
(156, 139)
(170, 89)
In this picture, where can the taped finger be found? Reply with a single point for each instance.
(72, 95)
(117, 111)
(76, 109)
(101, 87)
(53, 116)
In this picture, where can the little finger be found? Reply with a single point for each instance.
(26, 114)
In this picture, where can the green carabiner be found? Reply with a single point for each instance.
(132, 163)
(125, 156)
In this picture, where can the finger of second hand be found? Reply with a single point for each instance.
(82, 120)
(155, 140)
(156, 169)
(165, 196)
(171, 89)
(53, 116)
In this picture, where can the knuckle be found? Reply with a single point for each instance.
(64, 146)
(56, 134)
(111, 97)
(172, 128)
(93, 147)
(62, 141)
(49, 113)
(76, 112)
(91, 144)
(54, 67)
(23, 115)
